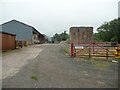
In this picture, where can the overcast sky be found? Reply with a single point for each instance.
(55, 16)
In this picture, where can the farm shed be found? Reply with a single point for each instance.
(7, 41)
(81, 34)
(37, 37)
(22, 31)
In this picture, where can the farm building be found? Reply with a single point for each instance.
(81, 34)
(23, 32)
(7, 41)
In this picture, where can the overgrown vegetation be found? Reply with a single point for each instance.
(109, 31)
(60, 37)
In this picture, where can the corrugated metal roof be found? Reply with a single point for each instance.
(23, 24)
(7, 33)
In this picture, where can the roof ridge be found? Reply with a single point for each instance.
(21, 23)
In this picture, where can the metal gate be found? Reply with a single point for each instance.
(93, 49)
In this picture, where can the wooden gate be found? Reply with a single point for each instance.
(93, 49)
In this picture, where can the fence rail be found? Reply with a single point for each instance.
(93, 49)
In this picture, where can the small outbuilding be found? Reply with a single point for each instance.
(7, 41)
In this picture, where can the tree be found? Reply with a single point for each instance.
(109, 31)
(64, 36)
(60, 37)
(56, 38)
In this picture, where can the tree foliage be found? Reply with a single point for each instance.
(60, 37)
(109, 31)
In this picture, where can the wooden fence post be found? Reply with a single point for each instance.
(89, 52)
(106, 53)
(72, 50)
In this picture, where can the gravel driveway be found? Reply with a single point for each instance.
(52, 68)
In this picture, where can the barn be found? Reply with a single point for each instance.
(81, 34)
(7, 41)
(23, 32)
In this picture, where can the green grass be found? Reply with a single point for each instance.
(66, 49)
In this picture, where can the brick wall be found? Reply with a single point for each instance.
(81, 34)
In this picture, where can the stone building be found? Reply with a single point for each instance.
(81, 34)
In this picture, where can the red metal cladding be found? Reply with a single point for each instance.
(8, 41)
(0, 42)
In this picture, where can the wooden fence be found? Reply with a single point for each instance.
(93, 49)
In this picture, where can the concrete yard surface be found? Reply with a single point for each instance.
(52, 68)
(13, 61)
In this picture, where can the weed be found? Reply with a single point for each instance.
(34, 77)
